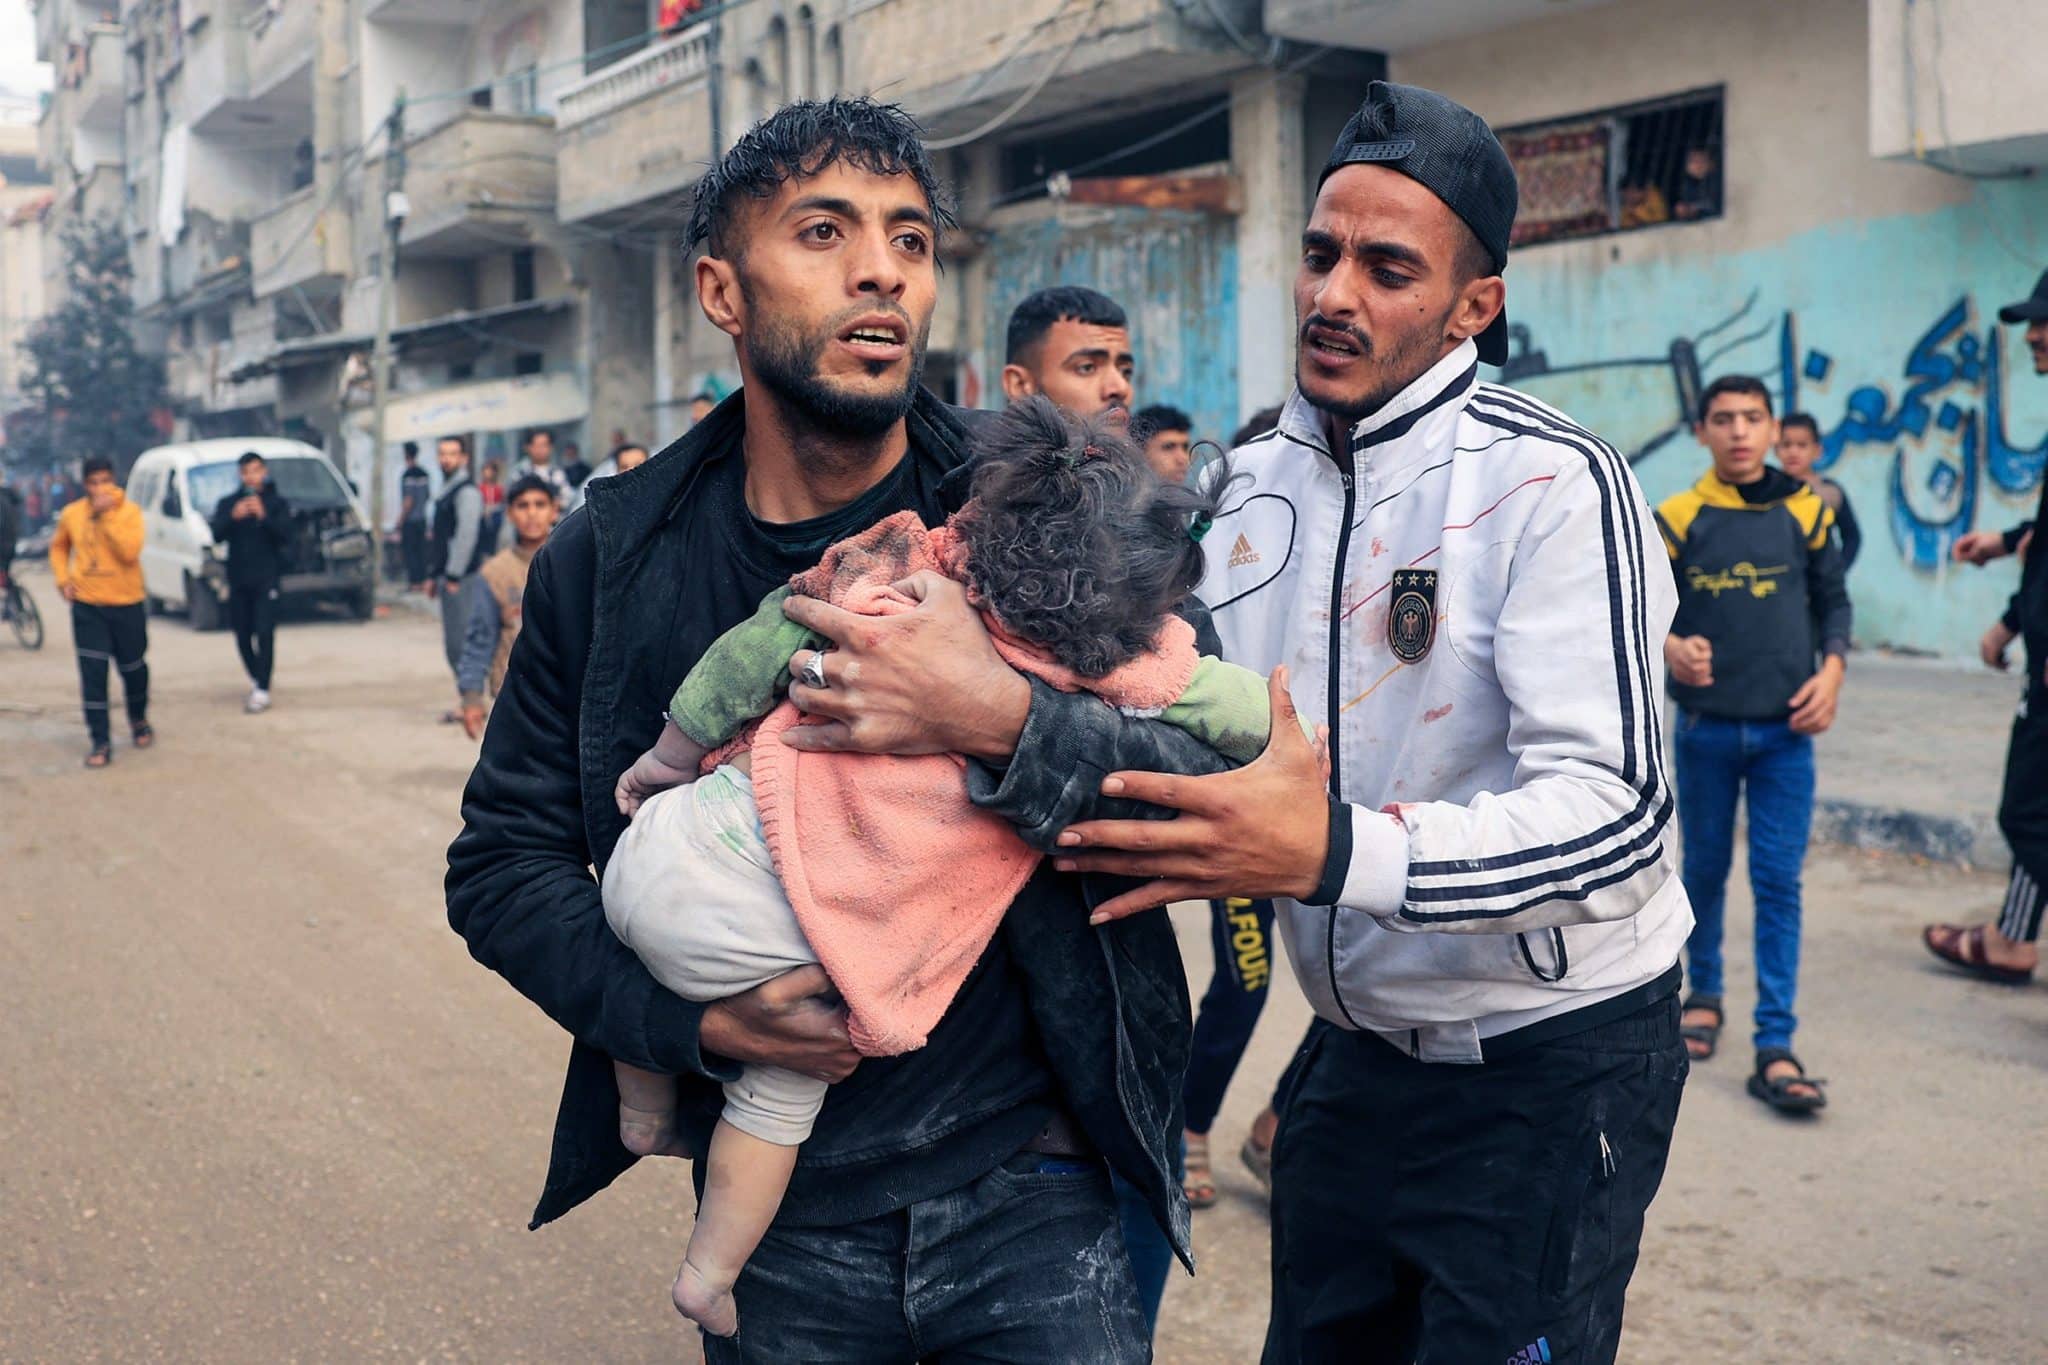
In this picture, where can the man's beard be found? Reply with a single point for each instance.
(786, 362)
(1407, 358)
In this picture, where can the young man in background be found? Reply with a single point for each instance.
(494, 607)
(1798, 448)
(1168, 434)
(254, 524)
(458, 547)
(414, 495)
(1756, 658)
(1073, 345)
(96, 557)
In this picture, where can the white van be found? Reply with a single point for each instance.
(178, 486)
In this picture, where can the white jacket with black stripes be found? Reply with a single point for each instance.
(1495, 713)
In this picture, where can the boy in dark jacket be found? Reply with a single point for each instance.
(254, 525)
(1756, 661)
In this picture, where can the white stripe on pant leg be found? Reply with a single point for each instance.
(129, 668)
(2020, 914)
(2007, 913)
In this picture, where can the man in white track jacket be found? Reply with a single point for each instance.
(1469, 590)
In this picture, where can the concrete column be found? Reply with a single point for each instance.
(1266, 154)
(619, 345)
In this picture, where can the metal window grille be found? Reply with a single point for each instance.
(1616, 170)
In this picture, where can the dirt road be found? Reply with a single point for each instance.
(257, 1104)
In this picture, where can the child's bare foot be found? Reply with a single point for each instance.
(651, 1132)
(705, 1303)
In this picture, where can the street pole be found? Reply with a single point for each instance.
(380, 355)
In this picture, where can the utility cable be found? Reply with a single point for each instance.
(947, 144)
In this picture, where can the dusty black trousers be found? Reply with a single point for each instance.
(2023, 818)
(1446, 1214)
(117, 636)
(252, 612)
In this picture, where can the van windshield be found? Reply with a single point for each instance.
(307, 484)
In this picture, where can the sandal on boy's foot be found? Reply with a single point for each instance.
(1964, 948)
(1707, 1036)
(100, 757)
(1800, 1094)
(1198, 1181)
(144, 736)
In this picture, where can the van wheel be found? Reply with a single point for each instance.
(154, 606)
(363, 605)
(202, 606)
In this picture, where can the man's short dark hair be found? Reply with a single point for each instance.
(461, 443)
(528, 483)
(96, 464)
(799, 141)
(1734, 383)
(248, 458)
(1800, 419)
(534, 432)
(619, 450)
(412, 450)
(1035, 316)
(1148, 422)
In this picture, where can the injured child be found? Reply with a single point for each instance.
(747, 858)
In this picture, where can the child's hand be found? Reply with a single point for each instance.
(648, 775)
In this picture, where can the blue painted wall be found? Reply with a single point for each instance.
(1174, 273)
(1885, 330)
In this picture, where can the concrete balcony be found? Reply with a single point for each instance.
(90, 78)
(288, 249)
(1965, 93)
(954, 64)
(639, 129)
(214, 81)
(281, 40)
(1404, 25)
(207, 250)
(476, 183)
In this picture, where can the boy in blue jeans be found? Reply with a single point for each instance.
(1755, 657)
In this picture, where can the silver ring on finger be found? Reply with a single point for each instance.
(813, 671)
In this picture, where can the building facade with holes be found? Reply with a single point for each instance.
(1873, 200)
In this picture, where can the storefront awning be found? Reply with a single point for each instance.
(534, 400)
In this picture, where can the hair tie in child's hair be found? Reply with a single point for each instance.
(1199, 527)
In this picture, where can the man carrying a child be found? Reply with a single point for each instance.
(955, 1198)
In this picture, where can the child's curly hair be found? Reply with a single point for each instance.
(1073, 542)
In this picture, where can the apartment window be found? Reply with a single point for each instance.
(1203, 141)
(480, 98)
(528, 363)
(522, 91)
(522, 275)
(1615, 170)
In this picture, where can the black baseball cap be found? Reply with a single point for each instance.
(1449, 151)
(2033, 308)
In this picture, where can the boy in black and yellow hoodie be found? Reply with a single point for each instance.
(1756, 661)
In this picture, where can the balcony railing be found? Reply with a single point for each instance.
(686, 56)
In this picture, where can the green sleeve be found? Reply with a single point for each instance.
(1226, 707)
(742, 675)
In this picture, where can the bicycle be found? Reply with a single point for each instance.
(20, 611)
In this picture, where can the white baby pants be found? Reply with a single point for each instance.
(692, 890)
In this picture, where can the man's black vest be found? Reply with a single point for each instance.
(444, 530)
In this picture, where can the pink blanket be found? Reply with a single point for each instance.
(898, 880)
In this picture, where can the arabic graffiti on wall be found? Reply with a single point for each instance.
(1930, 414)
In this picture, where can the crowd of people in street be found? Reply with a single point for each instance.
(1110, 663)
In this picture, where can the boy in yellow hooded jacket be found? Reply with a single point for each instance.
(96, 557)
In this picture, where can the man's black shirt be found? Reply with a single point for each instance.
(900, 1128)
(255, 545)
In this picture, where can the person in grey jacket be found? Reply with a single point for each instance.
(458, 549)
